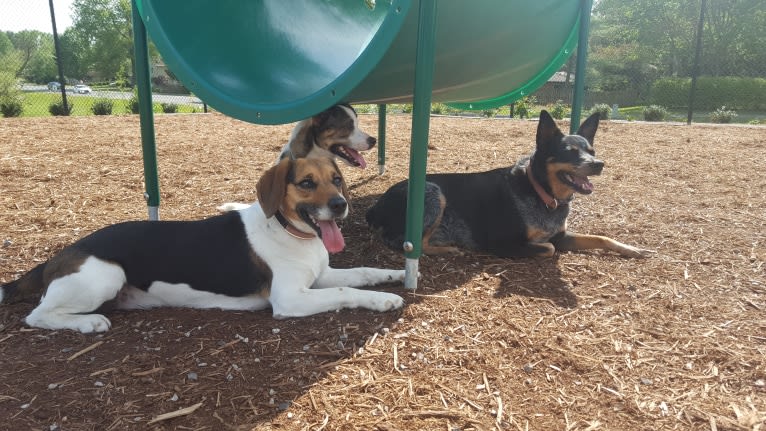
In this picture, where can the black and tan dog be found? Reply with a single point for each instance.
(519, 211)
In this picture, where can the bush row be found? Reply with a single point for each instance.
(712, 93)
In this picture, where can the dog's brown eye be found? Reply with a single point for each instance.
(337, 181)
(307, 184)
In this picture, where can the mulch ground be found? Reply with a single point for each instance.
(580, 341)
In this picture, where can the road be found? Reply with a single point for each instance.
(178, 99)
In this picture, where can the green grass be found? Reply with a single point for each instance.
(36, 105)
(680, 115)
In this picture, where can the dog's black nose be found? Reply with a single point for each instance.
(598, 165)
(371, 142)
(337, 204)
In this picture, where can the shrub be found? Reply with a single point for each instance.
(522, 106)
(102, 107)
(438, 108)
(11, 108)
(559, 110)
(722, 115)
(57, 109)
(602, 109)
(10, 95)
(133, 107)
(407, 108)
(169, 108)
(655, 113)
(489, 113)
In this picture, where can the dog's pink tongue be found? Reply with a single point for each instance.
(358, 157)
(584, 183)
(331, 236)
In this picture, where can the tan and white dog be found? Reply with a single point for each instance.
(274, 252)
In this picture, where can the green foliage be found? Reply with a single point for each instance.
(559, 110)
(11, 108)
(603, 110)
(133, 105)
(57, 109)
(712, 92)
(655, 113)
(657, 36)
(722, 115)
(365, 108)
(489, 113)
(524, 105)
(438, 108)
(102, 107)
(10, 95)
(169, 108)
(101, 30)
(407, 108)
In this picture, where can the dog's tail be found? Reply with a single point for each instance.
(28, 288)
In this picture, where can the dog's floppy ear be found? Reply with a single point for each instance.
(343, 186)
(322, 117)
(588, 128)
(272, 186)
(547, 130)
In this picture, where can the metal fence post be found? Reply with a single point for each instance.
(59, 65)
(696, 66)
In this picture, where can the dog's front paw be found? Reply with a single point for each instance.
(385, 301)
(396, 275)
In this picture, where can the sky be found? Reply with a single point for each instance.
(17, 15)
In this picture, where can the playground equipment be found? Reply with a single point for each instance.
(277, 61)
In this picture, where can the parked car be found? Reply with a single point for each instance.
(54, 86)
(82, 89)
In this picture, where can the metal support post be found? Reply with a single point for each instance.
(421, 111)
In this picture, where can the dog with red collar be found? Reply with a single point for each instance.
(274, 252)
(517, 211)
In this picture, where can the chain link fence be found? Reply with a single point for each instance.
(86, 71)
(642, 64)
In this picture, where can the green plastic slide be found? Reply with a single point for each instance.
(278, 61)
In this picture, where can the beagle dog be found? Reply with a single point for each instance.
(274, 252)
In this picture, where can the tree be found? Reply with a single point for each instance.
(30, 45)
(102, 30)
(662, 34)
(73, 54)
(5, 44)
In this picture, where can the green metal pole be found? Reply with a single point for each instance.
(148, 143)
(582, 57)
(696, 66)
(381, 139)
(421, 112)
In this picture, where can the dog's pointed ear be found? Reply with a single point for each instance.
(588, 128)
(547, 130)
(272, 186)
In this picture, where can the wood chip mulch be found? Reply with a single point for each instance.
(580, 341)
